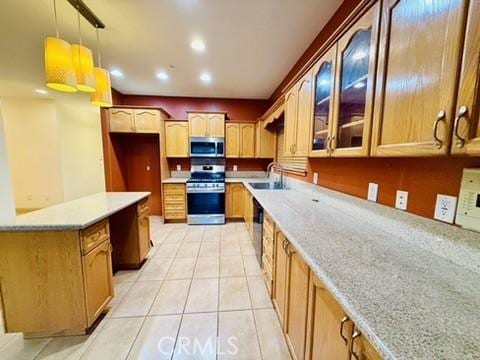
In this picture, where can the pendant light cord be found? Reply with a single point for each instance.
(98, 48)
(55, 16)
(79, 29)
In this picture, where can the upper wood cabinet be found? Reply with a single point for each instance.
(354, 86)
(134, 120)
(466, 131)
(234, 201)
(240, 140)
(206, 124)
(264, 142)
(176, 138)
(419, 58)
(298, 108)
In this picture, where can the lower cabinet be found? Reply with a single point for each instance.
(144, 234)
(234, 201)
(174, 202)
(97, 267)
(248, 212)
(280, 277)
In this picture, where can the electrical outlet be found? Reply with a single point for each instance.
(235, 168)
(315, 178)
(445, 208)
(179, 167)
(401, 200)
(372, 192)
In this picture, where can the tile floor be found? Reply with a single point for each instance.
(200, 295)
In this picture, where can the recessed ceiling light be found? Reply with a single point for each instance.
(162, 75)
(206, 77)
(116, 73)
(198, 45)
(41, 91)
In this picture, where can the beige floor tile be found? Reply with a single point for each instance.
(197, 338)
(231, 266)
(138, 300)
(203, 296)
(175, 236)
(194, 234)
(115, 339)
(230, 227)
(188, 249)
(270, 335)
(247, 248)
(229, 236)
(237, 328)
(234, 294)
(230, 248)
(243, 235)
(15, 347)
(171, 298)
(155, 269)
(209, 248)
(167, 250)
(258, 293)
(252, 267)
(182, 268)
(207, 267)
(126, 276)
(120, 291)
(156, 339)
(211, 234)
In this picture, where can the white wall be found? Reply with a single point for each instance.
(7, 201)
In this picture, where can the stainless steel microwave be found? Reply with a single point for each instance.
(207, 147)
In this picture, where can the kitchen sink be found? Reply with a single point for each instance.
(267, 186)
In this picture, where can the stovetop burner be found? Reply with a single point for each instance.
(205, 180)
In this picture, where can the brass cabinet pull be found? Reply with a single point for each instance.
(355, 335)
(344, 320)
(333, 145)
(440, 117)
(328, 144)
(461, 115)
(294, 148)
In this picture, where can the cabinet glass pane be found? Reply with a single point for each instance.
(353, 88)
(323, 86)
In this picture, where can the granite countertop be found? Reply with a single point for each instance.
(74, 215)
(411, 285)
(179, 180)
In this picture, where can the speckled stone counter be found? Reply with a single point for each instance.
(74, 215)
(411, 285)
(175, 180)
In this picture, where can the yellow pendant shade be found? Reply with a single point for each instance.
(103, 94)
(83, 63)
(59, 69)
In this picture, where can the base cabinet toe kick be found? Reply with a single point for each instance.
(59, 282)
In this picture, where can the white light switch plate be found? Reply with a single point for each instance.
(372, 192)
(401, 200)
(179, 167)
(235, 168)
(445, 208)
(315, 178)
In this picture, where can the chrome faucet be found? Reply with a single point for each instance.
(280, 168)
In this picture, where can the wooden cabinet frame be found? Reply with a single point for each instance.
(126, 120)
(176, 139)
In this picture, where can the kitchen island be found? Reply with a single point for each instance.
(56, 263)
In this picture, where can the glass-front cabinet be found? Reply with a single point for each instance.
(344, 90)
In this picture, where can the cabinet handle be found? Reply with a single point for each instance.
(355, 335)
(328, 145)
(461, 115)
(333, 145)
(294, 148)
(110, 247)
(344, 320)
(440, 117)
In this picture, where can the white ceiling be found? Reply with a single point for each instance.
(251, 44)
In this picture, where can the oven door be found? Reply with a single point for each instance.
(208, 203)
(203, 147)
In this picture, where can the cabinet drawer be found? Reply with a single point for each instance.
(174, 206)
(143, 208)
(95, 235)
(173, 214)
(268, 223)
(174, 197)
(174, 189)
(267, 265)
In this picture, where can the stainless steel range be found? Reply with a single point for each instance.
(206, 192)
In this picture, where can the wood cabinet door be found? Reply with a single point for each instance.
(363, 349)
(121, 120)
(290, 121)
(354, 86)
(143, 235)
(232, 139)
(97, 269)
(247, 140)
(296, 303)
(466, 131)
(323, 74)
(280, 277)
(235, 198)
(198, 124)
(216, 125)
(176, 139)
(147, 121)
(264, 142)
(325, 324)
(304, 115)
(419, 58)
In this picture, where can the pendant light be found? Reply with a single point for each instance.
(103, 93)
(83, 63)
(59, 69)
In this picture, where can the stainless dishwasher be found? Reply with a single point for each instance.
(258, 230)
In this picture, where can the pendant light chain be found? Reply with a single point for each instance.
(55, 16)
(98, 49)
